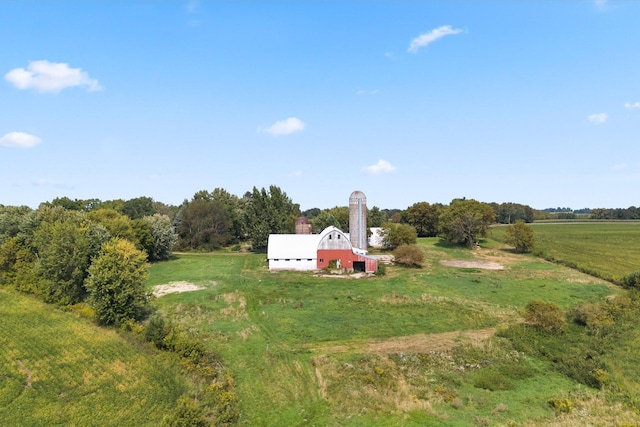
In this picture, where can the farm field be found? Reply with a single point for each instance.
(413, 347)
(605, 249)
(58, 369)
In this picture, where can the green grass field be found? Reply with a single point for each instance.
(607, 250)
(312, 350)
(57, 369)
(415, 347)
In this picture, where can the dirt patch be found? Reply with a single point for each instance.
(485, 265)
(175, 287)
(421, 343)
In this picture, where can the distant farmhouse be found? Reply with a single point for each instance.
(307, 252)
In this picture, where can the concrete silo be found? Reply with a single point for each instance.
(358, 220)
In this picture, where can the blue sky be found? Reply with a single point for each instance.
(502, 101)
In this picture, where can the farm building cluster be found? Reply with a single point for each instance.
(305, 251)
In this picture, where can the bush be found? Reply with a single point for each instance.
(395, 235)
(520, 236)
(546, 315)
(409, 256)
(632, 280)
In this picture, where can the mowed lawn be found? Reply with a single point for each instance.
(300, 344)
(57, 369)
(609, 250)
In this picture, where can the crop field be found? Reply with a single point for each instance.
(413, 347)
(59, 369)
(607, 250)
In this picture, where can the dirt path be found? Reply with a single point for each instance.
(421, 343)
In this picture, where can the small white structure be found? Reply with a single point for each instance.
(375, 240)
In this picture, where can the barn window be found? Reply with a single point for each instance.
(298, 259)
(287, 259)
(321, 260)
(329, 236)
(338, 236)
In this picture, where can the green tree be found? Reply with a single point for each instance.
(395, 235)
(164, 237)
(138, 208)
(376, 217)
(64, 248)
(204, 224)
(520, 236)
(116, 283)
(269, 212)
(465, 221)
(424, 218)
(323, 220)
(11, 220)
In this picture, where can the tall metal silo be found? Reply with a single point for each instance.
(358, 220)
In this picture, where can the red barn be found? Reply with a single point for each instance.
(305, 252)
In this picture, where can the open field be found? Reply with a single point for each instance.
(440, 345)
(59, 369)
(608, 250)
(413, 347)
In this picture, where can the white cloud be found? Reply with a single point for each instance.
(427, 38)
(44, 182)
(602, 5)
(367, 92)
(192, 6)
(45, 76)
(632, 105)
(620, 166)
(19, 139)
(599, 118)
(381, 167)
(284, 127)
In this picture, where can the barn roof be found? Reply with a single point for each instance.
(293, 246)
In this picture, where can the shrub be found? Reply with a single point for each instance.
(520, 236)
(561, 405)
(187, 414)
(156, 330)
(546, 315)
(632, 280)
(492, 379)
(409, 255)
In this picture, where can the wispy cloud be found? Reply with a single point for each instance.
(602, 5)
(44, 182)
(382, 166)
(284, 127)
(632, 105)
(192, 6)
(427, 38)
(367, 92)
(52, 77)
(19, 139)
(620, 166)
(598, 118)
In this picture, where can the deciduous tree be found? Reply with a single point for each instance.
(424, 218)
(465, 221)
(116, 283)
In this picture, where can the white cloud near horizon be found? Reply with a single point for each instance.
(19, 139)
(50, 77)
(632, 105)
(382, 166)
(427, 38)
(284, 127)
(598, 118)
